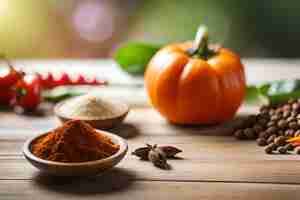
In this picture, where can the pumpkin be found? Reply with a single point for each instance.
(194, 83)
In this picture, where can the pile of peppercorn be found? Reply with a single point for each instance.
(273, 126)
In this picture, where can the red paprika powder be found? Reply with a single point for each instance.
(75, 141)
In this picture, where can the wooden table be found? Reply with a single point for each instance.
(213, 165)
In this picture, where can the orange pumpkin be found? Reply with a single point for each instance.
(189, 83)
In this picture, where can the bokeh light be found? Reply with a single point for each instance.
(93, 20)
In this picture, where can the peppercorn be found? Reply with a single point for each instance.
(262, 116)
(280, 133)
(239, 134)
(286, 114)
(290, 119)
(280, 116)
(278, 111)
(264, 112)
(282, 123)
(263, 122)
(251, 120)
(282, 150)
(275, 146)
(270, 148)
(257, 128)
(271, 139)
(295, 106)
(289, 133)
(294, 114)
(264, 107)
(289, 147)
(261, 142)
(271, 123)
(280, 141)
(263, 134)
(275, 118)
(271, 112)
(298, 150)
(249, 133)
(240, 124)
(271, 130)
(293, 125)
(287, 107)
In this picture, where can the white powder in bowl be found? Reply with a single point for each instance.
(92, 107)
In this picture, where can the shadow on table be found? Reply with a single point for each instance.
(114, 180)
(126, 131)
(224, 129)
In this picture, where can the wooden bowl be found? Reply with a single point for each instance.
(103, 123)
(79, 168)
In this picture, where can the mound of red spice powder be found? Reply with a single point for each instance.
(75, 141)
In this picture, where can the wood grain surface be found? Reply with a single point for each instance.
(213, 165)
(122, 188)
(211, 156)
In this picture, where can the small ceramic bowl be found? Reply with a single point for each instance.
(79, 168)
(104, 123)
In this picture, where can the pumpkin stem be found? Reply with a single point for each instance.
(200, 47)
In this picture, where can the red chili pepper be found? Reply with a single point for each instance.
(95, 81)
(64, 79)
(28, 92)
(9, 76)
(50, 82)
(102, 82)
(80, 80)
(39, 76)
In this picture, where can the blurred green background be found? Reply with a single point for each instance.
(94, 28)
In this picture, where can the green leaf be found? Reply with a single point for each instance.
(254, 96)
(134, 57)
(282, 90)
(273, 91)
(60, 93)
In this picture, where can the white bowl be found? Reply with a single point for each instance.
(101, 123)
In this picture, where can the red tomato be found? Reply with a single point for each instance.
(6, 96)
(28, 92)
(9, 76)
